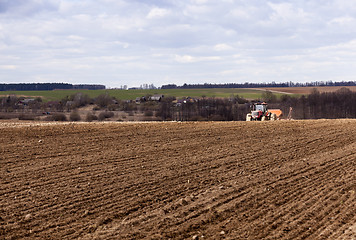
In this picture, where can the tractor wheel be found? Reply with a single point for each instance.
(248, 117)
(263, 118)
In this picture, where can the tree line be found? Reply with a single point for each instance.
(259, 85)
(47, 86)
(328, 105)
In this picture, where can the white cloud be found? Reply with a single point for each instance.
(287, 11)
(8, 67)
(75, 38)
(158, 13)
(200, 1)
(222, 47)
(185, 59)
(192, 59)
(122, 44)
(342, 20)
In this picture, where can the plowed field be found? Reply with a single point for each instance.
(228, 180)
(307, 90)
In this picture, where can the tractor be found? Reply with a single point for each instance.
(260, 112)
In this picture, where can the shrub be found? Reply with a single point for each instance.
(148, 113)
(26, 117)
(91, 117)
(74, 116)
(148, 119)
(103, 100)
(56, 117)
(59, 117)
(104, 115)
(6, 116)
(113, 107)
(101, 116)
(195, 118)
(217, 118)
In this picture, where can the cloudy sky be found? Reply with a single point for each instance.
(134, 42)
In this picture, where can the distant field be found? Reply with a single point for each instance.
(307, 90)
(132, 94)
(248, 93)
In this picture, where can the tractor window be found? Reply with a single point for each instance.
(261, 107)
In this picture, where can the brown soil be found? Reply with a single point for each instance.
(228, 180)
(307, 90)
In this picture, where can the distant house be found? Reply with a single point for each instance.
(190, 100)
(180, 102)
(25, 102)
(156, 97)
(140, 99)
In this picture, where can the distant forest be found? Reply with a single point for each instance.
(47, 86)
(62, 86)
(259, 85)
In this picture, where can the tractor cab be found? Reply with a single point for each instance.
(260, 107)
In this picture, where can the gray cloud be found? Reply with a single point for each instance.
(15, 8)
(116, 42)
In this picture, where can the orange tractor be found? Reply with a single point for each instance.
(260, 112)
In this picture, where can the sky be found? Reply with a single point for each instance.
(134, 42)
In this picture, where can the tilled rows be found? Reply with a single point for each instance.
(228, 180)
